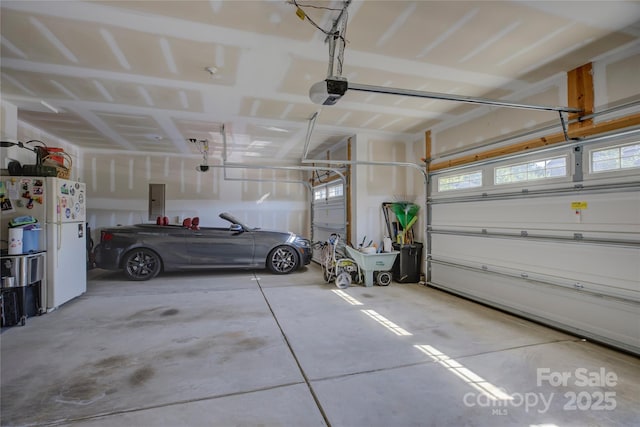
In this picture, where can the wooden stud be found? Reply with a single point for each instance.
(427, 143)
(580, 94)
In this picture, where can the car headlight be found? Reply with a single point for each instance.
(303, 243)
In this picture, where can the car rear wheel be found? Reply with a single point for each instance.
(283, 260)
(142, 264)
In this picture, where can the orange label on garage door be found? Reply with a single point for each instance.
(578, 205)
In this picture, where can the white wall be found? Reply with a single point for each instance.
(118, 182)
(375, 184)
(9, 132)
(118, 190)
(617, 81)
(117, 185)
(8, 121)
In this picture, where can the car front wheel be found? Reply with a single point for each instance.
(283, 260)
(142, 264)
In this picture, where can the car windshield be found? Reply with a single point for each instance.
(233, 220)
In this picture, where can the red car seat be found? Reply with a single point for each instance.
(186, 223)
(195, 223)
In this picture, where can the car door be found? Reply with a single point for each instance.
(220, 247)
(170, 242)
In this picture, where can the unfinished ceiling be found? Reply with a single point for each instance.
(148, 75)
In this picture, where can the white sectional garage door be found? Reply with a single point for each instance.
(329, 212)
(559, 247)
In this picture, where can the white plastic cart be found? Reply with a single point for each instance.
(381, 262)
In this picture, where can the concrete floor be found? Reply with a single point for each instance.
(254, 349)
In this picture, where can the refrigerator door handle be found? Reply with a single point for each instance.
(59, 234)
(59, 222)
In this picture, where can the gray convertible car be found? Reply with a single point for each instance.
(144, 250)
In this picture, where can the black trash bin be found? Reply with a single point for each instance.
(406, 268)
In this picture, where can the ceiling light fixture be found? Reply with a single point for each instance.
(259, 143)
(49, 106)
(211, 70)
(276, 129)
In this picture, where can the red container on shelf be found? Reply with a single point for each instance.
(51, 155)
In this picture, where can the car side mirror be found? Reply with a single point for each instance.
(236, 228)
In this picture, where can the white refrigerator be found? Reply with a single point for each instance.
(59, 205)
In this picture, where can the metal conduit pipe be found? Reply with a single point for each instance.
(291, 181)
(287, 181)
(232, 165)
(224, 143)
(332, 51)
(420, 168)
(371, 163)
(607, 111)
(307, 139)
(226, 164)
(301, 168)
(500, 141)
(336, 22)
(459, 98)
(310, 127)
(247, 166)
(558, 146)
(534, 131)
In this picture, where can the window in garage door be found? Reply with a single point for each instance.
(615, 158)
(531, 171)
(460, 181)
